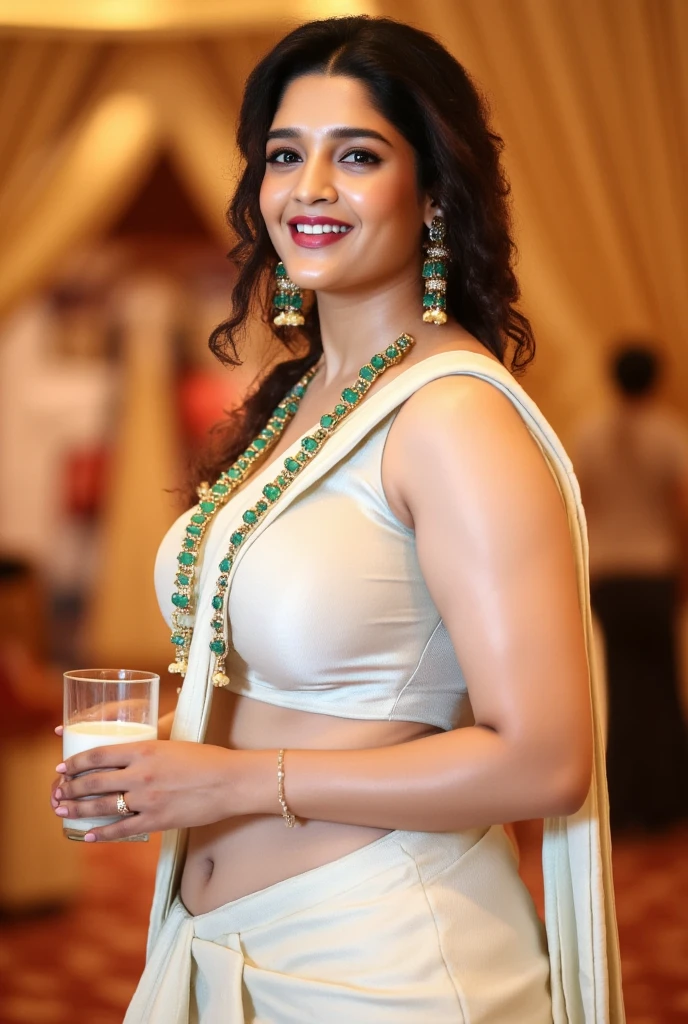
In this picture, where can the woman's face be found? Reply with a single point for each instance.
(340, 195)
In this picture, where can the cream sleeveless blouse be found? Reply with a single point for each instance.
(347, 626)
(415, 678)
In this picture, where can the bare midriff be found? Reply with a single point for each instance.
(238, 856)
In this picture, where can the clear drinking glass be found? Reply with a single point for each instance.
(103, 706)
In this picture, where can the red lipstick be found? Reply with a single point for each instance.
(316, 232)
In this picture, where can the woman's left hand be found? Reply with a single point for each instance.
(166, 784)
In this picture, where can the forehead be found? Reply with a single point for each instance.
(317, 102)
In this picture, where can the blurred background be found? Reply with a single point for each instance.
(116, 166)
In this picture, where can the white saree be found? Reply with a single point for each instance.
(579, 900)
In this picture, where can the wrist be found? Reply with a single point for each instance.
(254, 783)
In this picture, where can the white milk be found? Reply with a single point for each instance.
(87, 735)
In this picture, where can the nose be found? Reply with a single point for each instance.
(314, 184)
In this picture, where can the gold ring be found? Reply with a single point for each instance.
(122, 805)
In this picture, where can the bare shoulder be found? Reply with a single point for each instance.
(462, 432)
(457, 394)
(459, 412)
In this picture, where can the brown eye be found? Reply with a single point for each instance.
(283, 156)
(360, 157)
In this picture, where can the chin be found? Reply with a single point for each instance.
(316, 278)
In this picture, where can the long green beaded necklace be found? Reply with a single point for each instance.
(212, 499)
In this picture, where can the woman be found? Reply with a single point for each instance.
(382, 584)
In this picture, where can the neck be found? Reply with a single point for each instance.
(636, 403)
(356, 324)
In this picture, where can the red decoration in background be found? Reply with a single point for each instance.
(85, 473)
(204, 399)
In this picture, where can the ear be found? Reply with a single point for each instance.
(431, 209)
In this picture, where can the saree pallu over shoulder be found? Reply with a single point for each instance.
(576, 855)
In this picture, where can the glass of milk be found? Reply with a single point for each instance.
(103, 706)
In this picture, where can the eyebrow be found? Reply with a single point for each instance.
(331, 133)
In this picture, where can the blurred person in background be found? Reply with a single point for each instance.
(30, 691)
(30, 698)
(632, 465)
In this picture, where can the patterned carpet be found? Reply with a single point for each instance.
(651, 883)
(81, 963)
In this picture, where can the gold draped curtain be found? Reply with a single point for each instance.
(591, 97)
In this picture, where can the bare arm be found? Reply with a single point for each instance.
(495, 550)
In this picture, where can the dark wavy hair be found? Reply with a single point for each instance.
(430, 99)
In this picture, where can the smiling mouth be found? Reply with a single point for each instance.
(321, 229)
(313, 234)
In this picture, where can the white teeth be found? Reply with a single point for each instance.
(322, 229)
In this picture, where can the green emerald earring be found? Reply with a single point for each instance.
(287, 301)
(435, 274)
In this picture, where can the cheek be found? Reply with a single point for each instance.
(274, 193)
(391, 193)
(271, 207)
(266, 199)
(388, 202)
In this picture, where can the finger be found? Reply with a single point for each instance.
(59, 729)
(93, 784)
(119, 755)
(124, 829)
(54, 798)
(101, 807)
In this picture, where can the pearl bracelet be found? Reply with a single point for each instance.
(289, 818)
